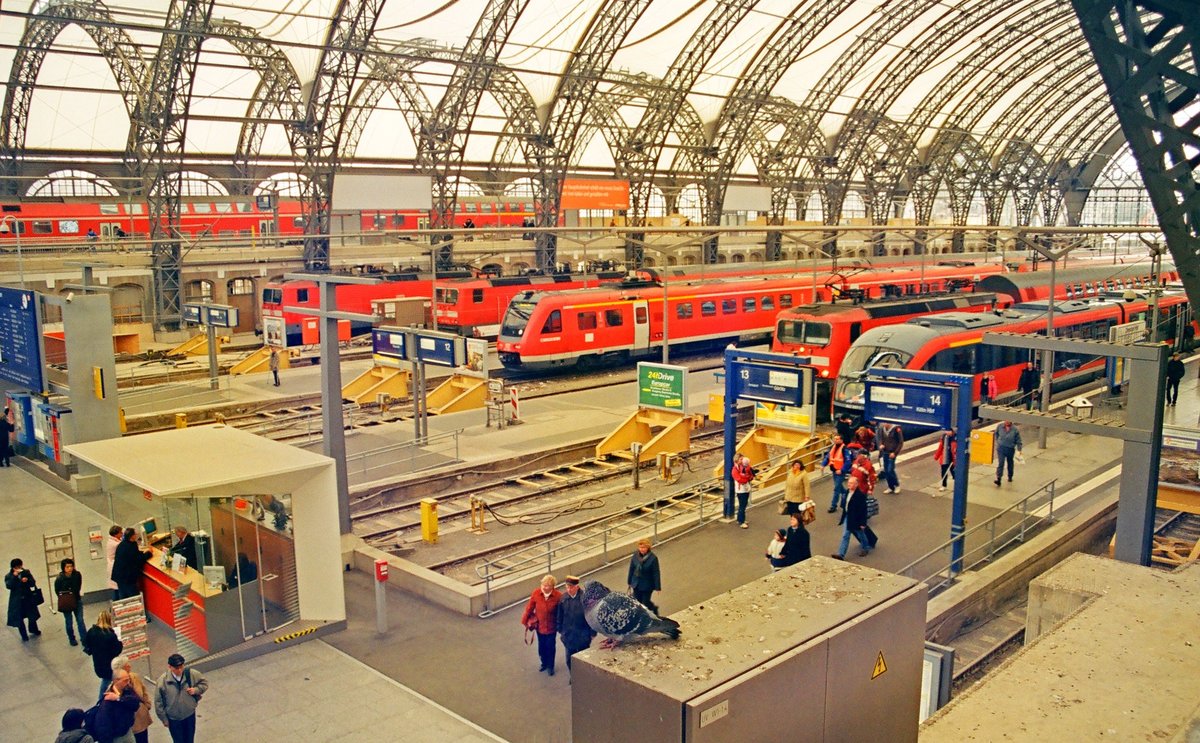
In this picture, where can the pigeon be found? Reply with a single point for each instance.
(618, 616)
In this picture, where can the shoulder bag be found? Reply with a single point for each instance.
(67, 602)
(872, 506)
(35, 596)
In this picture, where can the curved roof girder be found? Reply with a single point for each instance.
(320, 133)
(114, 44)
(389, 74)
(441, 141)
(156, 145)
(638, 156)
(552, 145)
(278, 95)
(937, 39)
(752, 89)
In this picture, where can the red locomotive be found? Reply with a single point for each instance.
(546, 330)
(952, 342)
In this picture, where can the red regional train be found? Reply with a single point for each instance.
(547, 330)
(63, 221)
(824, 332)
(952, 342)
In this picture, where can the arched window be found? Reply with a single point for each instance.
(284, 184)
(72, 183)
(690, 202)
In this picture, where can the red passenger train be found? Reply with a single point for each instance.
(547, 330)
(952, 342)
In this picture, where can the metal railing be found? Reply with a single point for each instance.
(983, 542)
(412, 456)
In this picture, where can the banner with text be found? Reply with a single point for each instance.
(662, 386)
(585, 193)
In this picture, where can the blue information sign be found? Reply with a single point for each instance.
(20, 339)
(927, 405)
(389, 343)
(222, 317)
(191, 313)
(770, 383)
(440, 350)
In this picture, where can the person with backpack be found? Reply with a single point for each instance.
(179, 692)
(742, 475)
(891, 441)
(838, 461)
(72, 728)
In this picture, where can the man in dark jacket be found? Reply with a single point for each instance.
(1008, 444)
(185, 546)
(644, 579)
(1028, 383)
(127, 565)
(854, 518)
(891, 441)
(572, 627)
(796, 543)
(117, 708)
(1175, 372)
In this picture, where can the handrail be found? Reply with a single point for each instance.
(1030, 518)
(411, 446)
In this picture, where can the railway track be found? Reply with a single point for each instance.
(1176, 539)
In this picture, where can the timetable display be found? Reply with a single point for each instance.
(21, 339)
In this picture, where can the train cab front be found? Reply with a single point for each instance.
(512, 332)
(849, 391)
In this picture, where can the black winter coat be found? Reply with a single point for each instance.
(856, 510)
(20, 602)
(114, 719)
(72, 583)
(103, 646)
(572, 627)
(128, 562)
(643, 572)
(796, 547)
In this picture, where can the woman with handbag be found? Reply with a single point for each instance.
(796, 490)
(103, 645)
(23, 599)
(68, 588)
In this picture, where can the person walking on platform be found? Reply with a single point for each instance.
(118, 708)
(141, 718)
(796, 488)
(854, 519)
(538, 618)
(1008, 446)
(1028, 383)
(891, 441)
(644, 577)
(845, 427)
(68, 588)
(864, 437)
(179, 691)
(573, 629)
(838, 461)
(127, 565)
(988, 389)
(1175, 372)
(743, 475)
(116, 535)
(6, 432)
(102, 644)
(796, 543)
(273, 365)
(947, 450)
(22, 604)
(865, 472)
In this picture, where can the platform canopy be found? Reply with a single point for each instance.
(205, 462)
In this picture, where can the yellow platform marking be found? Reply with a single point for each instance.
(880, 667)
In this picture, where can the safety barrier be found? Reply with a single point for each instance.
(1014, 524)
(408, 455)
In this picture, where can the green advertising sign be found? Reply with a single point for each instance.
(662, 386)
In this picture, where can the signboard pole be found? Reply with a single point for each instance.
(958, 512)
(212, 356)
(730, 427)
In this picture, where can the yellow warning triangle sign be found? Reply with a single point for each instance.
(880, 667)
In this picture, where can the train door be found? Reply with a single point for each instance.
(855, 331)
(108, 230)
(641, 325)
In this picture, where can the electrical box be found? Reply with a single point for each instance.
(821, 651)
(429, 520)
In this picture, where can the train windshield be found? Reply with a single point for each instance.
(272, 296)
(446, 296)
(867, 357)
(516, 318)
(803, 332)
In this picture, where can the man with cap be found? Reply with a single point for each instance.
(576, 633)
(179, 691)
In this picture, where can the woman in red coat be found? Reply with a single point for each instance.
(946, 452)
(539, 617)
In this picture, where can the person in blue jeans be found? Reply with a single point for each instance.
(854, 521)
(891, 441)
(68, 587)
(837, 462)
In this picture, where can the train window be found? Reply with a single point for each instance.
(110, 208)
(785, 301)
(272, 296)
(397, 220)
(469, 207)
(301, 296)
(224, 207)
(614, 318)
(708, 309)
(529, 207)
(683, 310)
(68, 227)
(445, 296)
(477, 295)
(553, 323)
(137, 208)
(381, 221)
(298, 222)
(804, 333)
(244, 207)
(587, 320)
(485, 208)
(953, 360)
(42, 228)
(768, 303)
(728, 306)
(202, 208)
(749, 305)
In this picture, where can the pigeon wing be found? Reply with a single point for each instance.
(618, 615)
